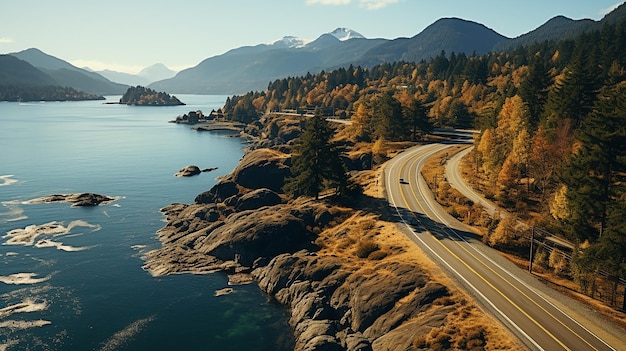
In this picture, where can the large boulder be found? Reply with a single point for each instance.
(218, 193)
(188, 171)
(248, 236)
(258, 198)
(262, 168)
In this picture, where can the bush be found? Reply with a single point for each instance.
(365, 247)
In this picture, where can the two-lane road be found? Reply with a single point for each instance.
(539, 323)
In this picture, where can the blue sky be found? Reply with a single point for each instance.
(128, 35)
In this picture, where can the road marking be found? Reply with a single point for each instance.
(403, 164)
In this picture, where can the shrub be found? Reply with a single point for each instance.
(365, 247)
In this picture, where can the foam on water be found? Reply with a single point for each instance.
(13, 213)
(7, 180)
(121, 337)
(28, 236)
(23, 278)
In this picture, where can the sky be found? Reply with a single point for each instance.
(129, 35)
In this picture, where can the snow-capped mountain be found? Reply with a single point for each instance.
(344, 34)
(290, 42)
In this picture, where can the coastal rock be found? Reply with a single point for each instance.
(188, 171)
(262, 168)
(359, 302)
(250, 235)
(258, 198)
(80, 199)
(218, 193)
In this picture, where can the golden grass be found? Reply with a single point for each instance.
(465, 325)
(449, 199)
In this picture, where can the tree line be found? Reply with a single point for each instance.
(18, 92)
(552, 121)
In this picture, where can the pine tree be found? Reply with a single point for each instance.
(315, 163)
(595, 172)
(534, 90)
(387, 117)
(415, 115)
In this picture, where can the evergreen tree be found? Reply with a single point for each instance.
(415, 115)
(594, 175)
(387, 118)
(534, 90)
(315, 163)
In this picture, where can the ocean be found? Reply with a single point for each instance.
(71, 278)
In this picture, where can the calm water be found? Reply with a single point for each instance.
(85, 289)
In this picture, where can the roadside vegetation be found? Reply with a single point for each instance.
(551, 149)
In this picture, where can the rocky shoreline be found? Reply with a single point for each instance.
(309, 256)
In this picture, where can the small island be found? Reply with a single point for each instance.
(142, 96)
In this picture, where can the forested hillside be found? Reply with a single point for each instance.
(552, 118)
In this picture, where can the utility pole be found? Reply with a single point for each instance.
(532, 240)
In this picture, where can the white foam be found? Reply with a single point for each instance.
(30, 234)
(118, 339)
(23, 278)
(60, 246)
(8, 343)
(21, 325)
(27, 305)
(14, 212)
(7, 180)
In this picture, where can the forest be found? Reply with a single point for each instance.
(142, 96)
(552, 122)
(18, 92)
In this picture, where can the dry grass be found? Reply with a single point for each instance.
(454, 204)
(364, 240)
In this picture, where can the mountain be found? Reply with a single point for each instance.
(148, 75)
(446, 34)
(65, 74)
(344, 34)
(289, 42)
(557, 28)
(156, 72)
(253, 67)
(16, 71)
(124, 78)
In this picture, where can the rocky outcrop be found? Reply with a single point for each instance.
(262, 168)
(192, 170)
(188, 171)
(79, 199)
(338, 300)
(341, 305)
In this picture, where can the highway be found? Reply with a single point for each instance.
(533, 317)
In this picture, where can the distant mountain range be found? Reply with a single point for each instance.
(148, 75)
(252, 67)
(64, 74)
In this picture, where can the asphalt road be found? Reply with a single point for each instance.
(537, 321)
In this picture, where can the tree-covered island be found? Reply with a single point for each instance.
(142, 96)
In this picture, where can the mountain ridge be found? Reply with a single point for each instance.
(65, 74)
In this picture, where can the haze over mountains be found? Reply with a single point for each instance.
(250, 68)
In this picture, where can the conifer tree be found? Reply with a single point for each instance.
(315, 163)
(595, 173)
(415, 115)
(387, 117)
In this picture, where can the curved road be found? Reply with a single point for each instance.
(539, 323)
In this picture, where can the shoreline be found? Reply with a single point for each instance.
(305, 255)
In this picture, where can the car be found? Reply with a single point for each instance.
(402, 181)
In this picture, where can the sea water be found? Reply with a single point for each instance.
(75, 280)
